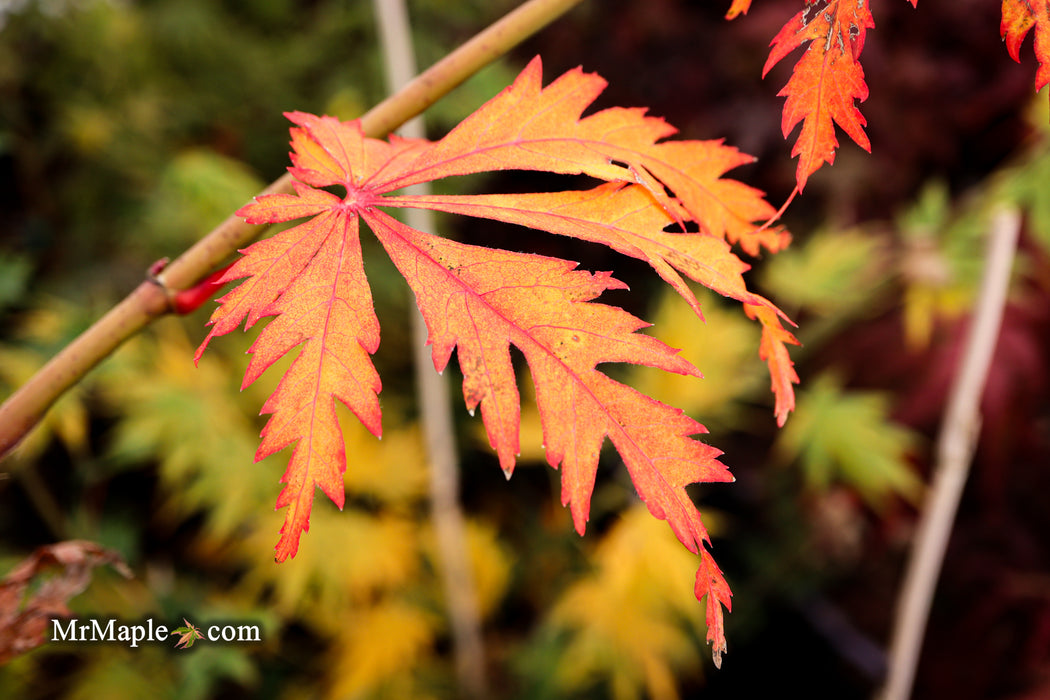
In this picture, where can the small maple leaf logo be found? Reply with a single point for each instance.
(189, 634)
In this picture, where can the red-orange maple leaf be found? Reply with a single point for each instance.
(1019, 16)
(479, 301)
(826, 80)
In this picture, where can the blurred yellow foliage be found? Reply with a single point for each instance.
(40, 332)
(634, 620)
(391, 470)
(191, 421)
(89, 129)
(348, 558)
(350, 577)
(723, 349)
(376, 646)
(123, 674)
(489, 559)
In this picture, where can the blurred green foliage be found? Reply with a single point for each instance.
(848, 437)
(127, 130)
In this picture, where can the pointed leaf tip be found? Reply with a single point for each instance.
(739, 7)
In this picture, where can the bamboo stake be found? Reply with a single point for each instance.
(955, 448)
(434, 402)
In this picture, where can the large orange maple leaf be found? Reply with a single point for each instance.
(480, 301)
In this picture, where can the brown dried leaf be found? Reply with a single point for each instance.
(24, 615)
